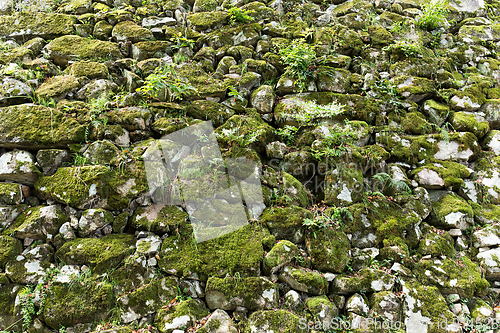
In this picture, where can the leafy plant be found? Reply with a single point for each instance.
(298, 57)
(334, 143)
(233, 92)
(97, 107)
(180, 41)
(433, 15)
(387, 88)
(166, 80)
(287, 133)
(237, 14)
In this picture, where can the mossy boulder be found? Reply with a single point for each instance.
(14, 92)
(32, 266)
(414, 89)
(183, 314)
(441, 174)
(329, 249)
(93, 220)
(10, 314)
(27, 25)
(205, 85)
(15, 55)
(100, 254)
(470, 99)
(209, 110)
(253, 293)
(67, 305)
(303, 279)
(343, 186)
(94, 186)
(437, 243)
(11, 249)
(219, 322)
(131, 118)
(151, 49)
(161, 219)
(451, 211)
(39, 223)
(50, 160)
(245, 35)
(490, 261)
(102, 152)
(129, 31)
(72, 48)
(333, 79)
(281, 254)
(366, 280)
(240, 251)
(10, 194)
(147, 299)
(207, 21)
(35, 126)
(322, 310)
(18, 166)
(435, 112)
(286, 223)
(245, 131)
(469, 122)
(57, 87)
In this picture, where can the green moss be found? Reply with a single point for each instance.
(363, 281)
(101, 254)
(315, 282)
(240, 251)
(37, 223)
(436, 244)
(208, 20)
(29, 24)
(245, 131)
(193, 309)
(379, 35)
(211, 326)
(486, 213)
(68, 305)
(11, 248)
(15, 55)
(37, 126)
(128, 30)
(451, 172)
(92, 70)
(450, 204)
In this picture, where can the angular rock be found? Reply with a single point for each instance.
(27, 25)
(129, 31)
(97, 88)
(451, 211)
(14, 92)
(51, 159)
(31, 267)
(40, 223)
(219, 322)
(10, 194)
(286, 223)
(305, 280)
(93, 220)
(368, 279)
(18, 166)
(276, 321)
(184, 314)
(58, 87)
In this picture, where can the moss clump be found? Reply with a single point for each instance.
(26, 25)
(11, 248)
(240, 251)
(367, 280)
(305, 280)
(415, 123)
(245, 131)
(208, 20)
(38, 223)
(37, 126)
(180, 315)
(486, 213)
(128, 30)
(329, 249)
(254, 293)
(209, 110)
(68, 305)
(101, 254)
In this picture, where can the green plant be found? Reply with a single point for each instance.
(240, 15)
(319, 222)
(279, 199)
(410, 49)
(179, 58)
(233, 92)
(181, 295)
(97, 108)
(335, 142)
(165, 79)
(388, 90)
(78, 159)
(287, 134)
(298, 57)
(180, 41)
(433, 15)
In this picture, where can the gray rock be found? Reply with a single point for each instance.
(18, 166)
(14, 92)
(357, 304)
(262, 99)
(93, 220)
(96, 89)
(224, 323)
(51, 159)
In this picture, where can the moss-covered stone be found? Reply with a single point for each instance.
(245, 131)
(92, 70)
(415, 123)
(102, 152)
(180, 315)
(26, 25)
(343, 186)
(57, 87)
(279, 321)
(36, 126)
(253, 293)
(10, 314)
(329, 249)
(451, 211)
(161, 219)
(67, 305)
(10, 194)
(366, 280)
(437, 243)
(240, 251)
(147, 299)
(72, 48)
(282, 253)
(286, 223)
(100, 254)
(303, 279)
(209, 110)
(208, 21)
(469, 122)
(451, 173)
(130, 31)
(447, 275)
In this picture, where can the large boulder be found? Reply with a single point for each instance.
(27, 25)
